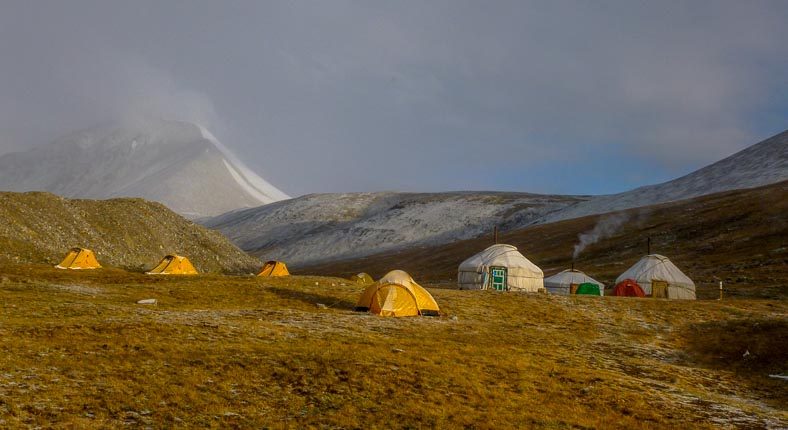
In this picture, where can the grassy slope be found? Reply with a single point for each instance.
(737, 237)
(131, 233)
(245, 352)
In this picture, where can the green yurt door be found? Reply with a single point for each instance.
(498, 275)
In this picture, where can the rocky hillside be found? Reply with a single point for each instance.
(179, 164)
(321, 227)
(135, 234)
(329, 227)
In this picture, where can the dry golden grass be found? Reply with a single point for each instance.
(246, 352)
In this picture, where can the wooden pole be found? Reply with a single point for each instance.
(495, 234)
(648, 246)
(720, 290)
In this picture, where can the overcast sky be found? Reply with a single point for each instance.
(330, 96)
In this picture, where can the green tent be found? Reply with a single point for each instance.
(588, 289)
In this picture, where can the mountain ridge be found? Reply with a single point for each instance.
(765, 162)
(343, 225)
(307, 230)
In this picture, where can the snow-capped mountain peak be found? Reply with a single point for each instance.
(178, 163)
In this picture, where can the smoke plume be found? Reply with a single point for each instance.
(605, 228)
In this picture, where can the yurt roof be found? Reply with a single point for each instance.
(571, 276)
(500, 255)
(655, 266)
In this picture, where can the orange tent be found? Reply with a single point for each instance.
(397, 295)
(273, 268)
(79, 258)
(173, 265)
(628, 287)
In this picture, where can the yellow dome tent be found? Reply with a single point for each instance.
(173, 265)
(79, 258)
(273, 268)
(397, 295)
(362, 278)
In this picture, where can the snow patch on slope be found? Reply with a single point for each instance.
(321, 227)
(245, 185)
(253, 184)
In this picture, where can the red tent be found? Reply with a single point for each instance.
(629, 288)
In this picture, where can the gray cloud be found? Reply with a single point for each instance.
(350, 96)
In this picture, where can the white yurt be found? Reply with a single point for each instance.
(563, 282)
(499, 267)
(659, 277)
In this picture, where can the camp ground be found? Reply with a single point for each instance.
(305, 330)
(173, 265)
(660, 278)
(568, 282)
(397, 295)
(499, 267)
(273, 268)
(79, 258)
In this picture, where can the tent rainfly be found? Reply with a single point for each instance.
(273, 268)
(173, 265)
(499, 267)
(588, 289)
(566, 282)
(79, 258)
(397, 295)
(362, 278)
(628, 288)
(660, 278)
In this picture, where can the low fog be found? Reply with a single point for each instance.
(553, 97)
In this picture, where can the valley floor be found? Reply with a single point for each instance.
(248, 352)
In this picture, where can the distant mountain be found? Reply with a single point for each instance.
(179, 164)
(40, 227)
(761, 164)
(320, 227)
(330, 227)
